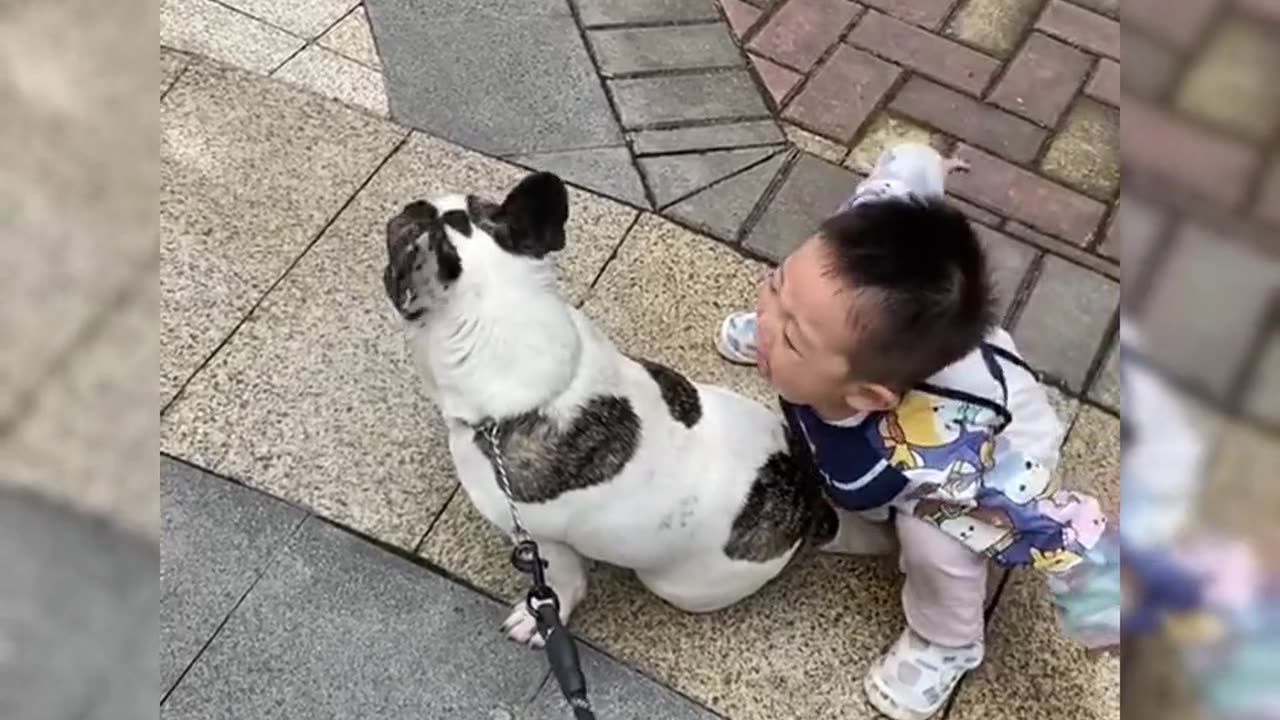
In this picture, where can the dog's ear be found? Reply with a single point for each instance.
(534, 213)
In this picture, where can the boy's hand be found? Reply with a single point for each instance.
(953, 164)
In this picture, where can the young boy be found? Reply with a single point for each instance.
(879, 334)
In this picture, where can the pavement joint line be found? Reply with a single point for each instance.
(254, 18)
(1022, 293)
(275, 553)
(723, 179)
(762, 205)
(780, 144)
(613, 254)
(576, 14)
(89, 332)
(1099, 359)
(670, 72)
(680, 124)
(1251, 364)
(177, 78)
(648, 24)
(177, 395)
(435, 519)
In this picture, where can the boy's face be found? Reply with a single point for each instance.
(807, 329)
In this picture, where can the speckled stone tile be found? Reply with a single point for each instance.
(1240, 494)
(90, 437)
(251, 171)
(1031, 671)
(1231, 83)
(664, 295)
(1086, 153)
(304, 18)
(815, 144)
(315, 398)
(467, 545)
(1090, 459)
(996, 26)
(353, 38)
(77, 178)
(332, 75)
(214, 30)
(1066, 407)
(836, 615)
(884, 132)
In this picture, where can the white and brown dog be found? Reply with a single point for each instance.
(610, 458)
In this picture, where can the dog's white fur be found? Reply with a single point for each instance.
(504, 342)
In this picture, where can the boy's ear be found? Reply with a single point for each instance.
(534, 214)
(871, 397)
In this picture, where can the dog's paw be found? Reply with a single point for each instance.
(521, 627)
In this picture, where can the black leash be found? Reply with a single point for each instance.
(544, 606)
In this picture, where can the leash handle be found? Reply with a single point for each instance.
(562, 651)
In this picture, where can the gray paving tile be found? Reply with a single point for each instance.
(608, 171)
(673, 99)
(634, 50)
(672, 177)
(1060, 330)
(722, 208)
(617, 691)
(217, 539)
(1007, 262)
(540, 94)
(1206, 306)
(812, 191)
(79, 599)
(706, 137)
(618, 12)
(1106, 388)
(339, 628)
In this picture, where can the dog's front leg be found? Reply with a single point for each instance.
(566, 573)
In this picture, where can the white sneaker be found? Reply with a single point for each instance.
(914, 679)
(737, 339)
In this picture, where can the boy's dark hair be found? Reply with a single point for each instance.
(921, 261)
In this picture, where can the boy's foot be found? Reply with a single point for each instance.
(737, 339)
(914, 679)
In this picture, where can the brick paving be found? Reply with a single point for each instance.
(1026, 92)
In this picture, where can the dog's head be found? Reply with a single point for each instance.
(456, 249)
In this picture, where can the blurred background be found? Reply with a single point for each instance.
(1199, 227)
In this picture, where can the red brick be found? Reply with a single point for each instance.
(973, 212)
(1042, 79)
(1089, 30)
(1268, 10)
(1214, 166)
(1024, 196)
(802, 30)
(1149, 66)
(842, 93)
(777, 80)
(741, 16)
(1269, 198)
(927, 13)
(1180, 26)
(943, 60)
(1105, 83)
(961, 116)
